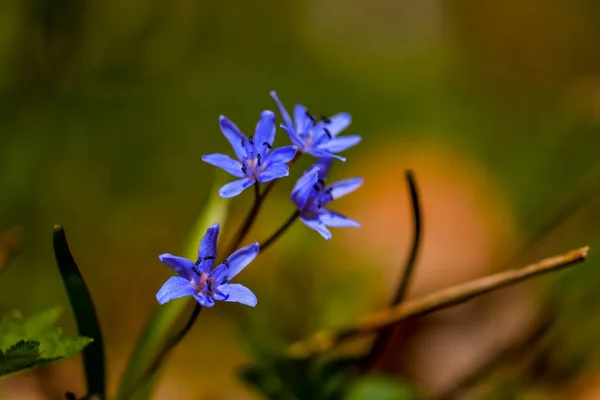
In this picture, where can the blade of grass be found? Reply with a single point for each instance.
(85, 314)
(160, 324)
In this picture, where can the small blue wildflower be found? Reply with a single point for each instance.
(206, 285)
(256, 161)
(311, 195)
(317, 137)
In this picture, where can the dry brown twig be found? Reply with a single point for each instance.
(325, 340)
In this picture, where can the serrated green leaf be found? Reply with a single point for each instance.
(64, 347)
(11, 330)
(42, 321)
(19, 356)
(34, 341)
(160, 323)
(15, 327)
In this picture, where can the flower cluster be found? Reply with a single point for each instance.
(257, 162)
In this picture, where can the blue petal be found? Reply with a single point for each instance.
(174, 288)
(342, 188)
(234, 188)
(304, 187)
(336, 220)
(240, 259)
(282, 155)
(301, 118)
(337, 123)
(204, 300)
(234, 292)
(325, 154)
(234, 135)
(220, 273)
(181, 265)
(323, 164)
(297, 140)
(272, 172)
(284, 114)
(340, 144)
(317, 226)
(225, 162)
(265, 132)
(208, 248)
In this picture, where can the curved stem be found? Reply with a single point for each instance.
(286, 225)
(414, 251)
(384, 335)
(248, 221)
(158, 360)
(176, 339)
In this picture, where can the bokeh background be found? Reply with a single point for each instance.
(106, 108)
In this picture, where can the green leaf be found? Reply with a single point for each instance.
(39, 326)
(34, 341)
(380, 387)
(282, 378)
(322, 378)
(161, 322)
(56, 347)
(19, 356)
(85, 314)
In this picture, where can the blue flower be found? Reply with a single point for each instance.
(311, 195)
(317, 138)
(257, 163)
(205, 284)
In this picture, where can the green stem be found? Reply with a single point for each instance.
(150, 372)
(248, 221)
(286, 225)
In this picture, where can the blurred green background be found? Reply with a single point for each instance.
(106, 108)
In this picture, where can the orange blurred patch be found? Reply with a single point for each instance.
(468, 226)
(467, 221)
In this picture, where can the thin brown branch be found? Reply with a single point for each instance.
(322, 341)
